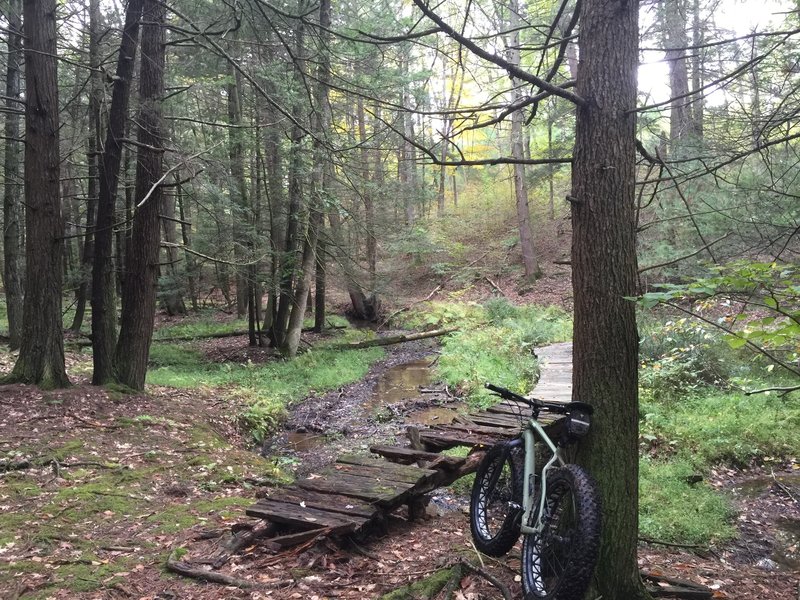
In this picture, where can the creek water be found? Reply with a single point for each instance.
(786, 550)
(399, 389)
(396, 397)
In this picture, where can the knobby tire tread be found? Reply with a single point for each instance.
(585, 546)
(486, 478)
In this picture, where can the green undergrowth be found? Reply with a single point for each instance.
(268, 388)
(694, 415)
(723, 427)
(200, 325)
(494, 343)
(671, 509)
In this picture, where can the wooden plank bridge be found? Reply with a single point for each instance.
(356, 493)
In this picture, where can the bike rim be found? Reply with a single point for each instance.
(495, 501)
(549, 551)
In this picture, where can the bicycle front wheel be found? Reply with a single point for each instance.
(494, 507)
(558, 562)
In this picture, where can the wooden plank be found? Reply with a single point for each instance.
(330, 502)
(498, 432)
(496, 420)
(376, 473)
(293, 539)
(304, 517)
(406, 455)
(383, 493)
(444, 440)
(386, 467)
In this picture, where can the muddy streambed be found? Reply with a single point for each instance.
(399, 391)
(768, 521)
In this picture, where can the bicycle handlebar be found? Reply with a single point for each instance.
(536, 405)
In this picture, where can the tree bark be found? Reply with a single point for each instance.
(141, 274)
(529, 262)
(41, 354)
(238, 185)
(93, 144)
(104, 313)
(185, 213)
(319, 126)
(173, 294)
(13, 266)
(605, 352)
(289, 265)
(698, 104)
(675, 39)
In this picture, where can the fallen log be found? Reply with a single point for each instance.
(395, 339)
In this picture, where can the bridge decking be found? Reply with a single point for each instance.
(357, 492)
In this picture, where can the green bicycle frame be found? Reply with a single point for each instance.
(529, 437)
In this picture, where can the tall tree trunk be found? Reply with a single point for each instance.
(173, 295)
(186, 235)
(141, 274)
(698, 104)
(531, 265)
(320, 282)
(289, 266)
(93, 145)
(238, 185)
(680, 123)
(277, 223)
(407, 155)
(13, 266)
(315, 221)
(604, 269)
(104, 312)
(367, 191)
(41, 354)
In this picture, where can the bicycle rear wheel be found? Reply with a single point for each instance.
(558, 562)
(495, 503)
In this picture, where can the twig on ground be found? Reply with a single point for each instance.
(469, 567)
(187, 570)
(783, 488)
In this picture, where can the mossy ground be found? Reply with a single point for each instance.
(114, 484)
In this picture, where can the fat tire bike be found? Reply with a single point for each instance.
(556, 508)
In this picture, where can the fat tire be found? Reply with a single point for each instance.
(575, 548)
(495, 502)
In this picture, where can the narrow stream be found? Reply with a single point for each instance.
(786, 548)
(408, 391)
(405, 393)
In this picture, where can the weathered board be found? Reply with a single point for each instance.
(359, 490)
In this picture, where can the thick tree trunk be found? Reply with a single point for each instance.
(104, 312)
(141, 276)
(13, 266)
(41, 354)
(603, 273)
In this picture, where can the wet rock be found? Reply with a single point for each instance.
(767, 564)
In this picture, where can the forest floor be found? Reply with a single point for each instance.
(97, 489)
